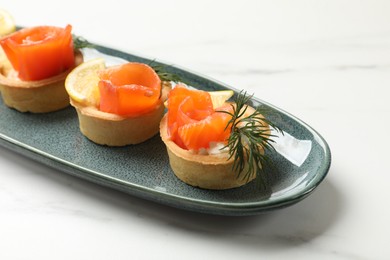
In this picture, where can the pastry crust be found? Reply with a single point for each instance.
(39, 96)
(114, 130)
(203, 171)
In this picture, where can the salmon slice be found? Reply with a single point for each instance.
(192, 121)
(210, 129)
(129, 89)
(186, 106)
(39, 52)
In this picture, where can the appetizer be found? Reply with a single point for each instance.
(213, 146)
(118, 105)
(34, 63)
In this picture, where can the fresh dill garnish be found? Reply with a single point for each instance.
(163, 74)
(79, 42)
(250, 137)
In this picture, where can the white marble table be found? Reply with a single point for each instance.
(326, 62)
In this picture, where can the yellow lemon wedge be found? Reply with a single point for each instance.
(82, 82)
(220, 97)
(7, 24)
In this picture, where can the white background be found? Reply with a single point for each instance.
(326, 62)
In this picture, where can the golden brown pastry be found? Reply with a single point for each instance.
(115, 130)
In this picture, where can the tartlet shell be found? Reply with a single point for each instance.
(115, 130)
(204, 171)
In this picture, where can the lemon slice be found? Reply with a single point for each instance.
(7, 24)
(82, 82)
(220, 97)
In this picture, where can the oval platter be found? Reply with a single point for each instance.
(301, 158)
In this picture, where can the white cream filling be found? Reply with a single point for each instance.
(215, 148)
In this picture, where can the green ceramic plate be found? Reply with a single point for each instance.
(301, 160)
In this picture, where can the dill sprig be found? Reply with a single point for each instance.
(79, 42)
(162, 72)
(250, 137)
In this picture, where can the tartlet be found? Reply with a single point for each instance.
(34, 63)
(97, 95)
(213, 170)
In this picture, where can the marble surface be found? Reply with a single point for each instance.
(326, 62)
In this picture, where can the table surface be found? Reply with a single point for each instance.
(326, 62)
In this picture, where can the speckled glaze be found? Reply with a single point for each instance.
(54, 139)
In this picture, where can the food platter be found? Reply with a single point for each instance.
(301, 158)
